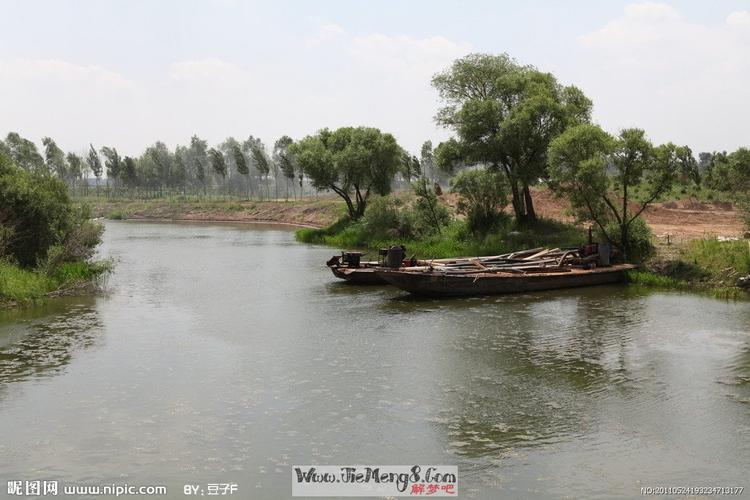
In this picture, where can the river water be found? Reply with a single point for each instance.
(227, 354)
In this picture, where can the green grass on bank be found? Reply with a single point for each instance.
(454, 241)
(706, 264)
(18, 285)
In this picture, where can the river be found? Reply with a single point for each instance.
(227, 354)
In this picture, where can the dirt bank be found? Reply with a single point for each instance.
(314, 212)
(682, 220)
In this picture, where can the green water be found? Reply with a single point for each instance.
(229, 353)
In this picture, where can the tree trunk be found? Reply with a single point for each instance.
(530, 215)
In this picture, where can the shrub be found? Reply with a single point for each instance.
(483, 194)
(36, 209)
(639, 246)
(383, 220)
(430, 215)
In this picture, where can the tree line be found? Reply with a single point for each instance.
(233, 167)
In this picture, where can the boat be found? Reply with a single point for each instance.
(438, 283)
(524, 271)
(350, 268)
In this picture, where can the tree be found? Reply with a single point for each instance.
(112, 162)
(351, 162)
(198, 159)
(430, 213)
(162, 161)
(129, 174)
(690, 170)
(598, 173)
(257, 152)
(427, 161)
(24, 153)
(504, 116)
(95, 164)
(75, 167)
(54, 158)
(283, 159)
(410, 167)
(483, 195)
(218, 165)
(241, 164)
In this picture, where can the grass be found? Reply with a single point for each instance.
(705, 264)
(454, 241)
(21, 286)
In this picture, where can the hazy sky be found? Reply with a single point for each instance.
(128, 73)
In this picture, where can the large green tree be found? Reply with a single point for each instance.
(353, 162)
(504, 116)
(599, 174)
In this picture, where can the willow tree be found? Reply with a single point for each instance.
(504, 116)
(599, 174)
(353, 162)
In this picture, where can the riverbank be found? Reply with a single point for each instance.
(305, 212)
(19, 287)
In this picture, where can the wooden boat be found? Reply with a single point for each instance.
(435, 282)
(363, 275)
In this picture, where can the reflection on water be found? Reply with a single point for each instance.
(228, 353)
(42, 341)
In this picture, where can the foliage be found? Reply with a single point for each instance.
(94, 163)
(640, 239)
(20, 285)
(36, 209)
(504, 116)
(719, 258)
(54, 158)
(598, 174)
(383, 220)
(483, 195)
(430, 216)
(22, 152)
(651, 279)
(456, 239)
(352, 162)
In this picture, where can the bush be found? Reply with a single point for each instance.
(384, 220)
(430, 215)
(639, 246)
(36, 210)
(483, 194)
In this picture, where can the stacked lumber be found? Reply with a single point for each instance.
(533, 260)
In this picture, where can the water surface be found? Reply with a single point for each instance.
(225, 353)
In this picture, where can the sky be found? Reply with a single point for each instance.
(129, 73)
